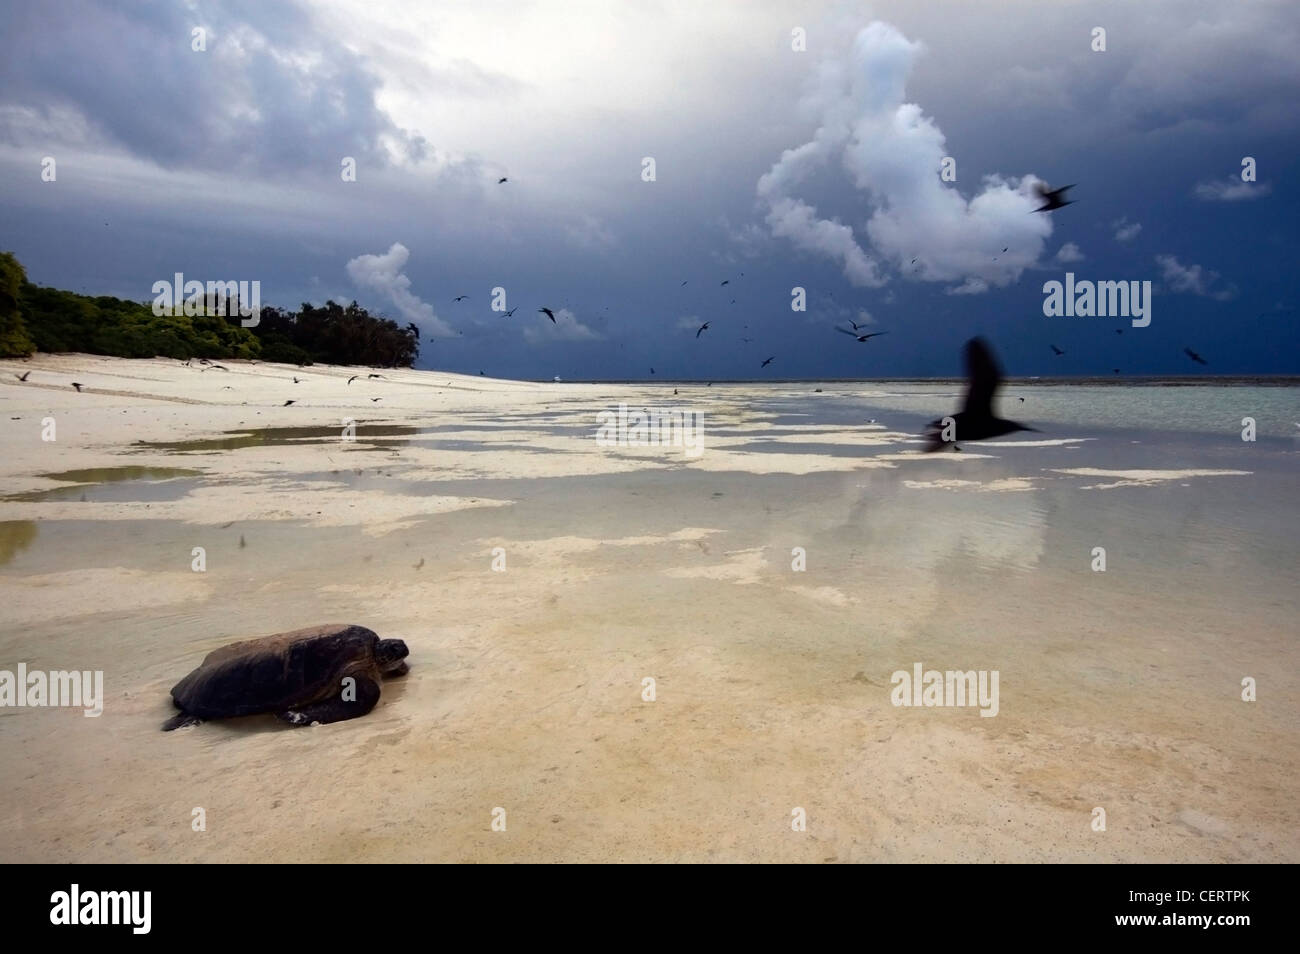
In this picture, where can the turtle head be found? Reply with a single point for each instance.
(391, 654)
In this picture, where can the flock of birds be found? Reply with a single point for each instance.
(1052, 200)
(975, 420)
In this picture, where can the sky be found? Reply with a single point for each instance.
(884, 157)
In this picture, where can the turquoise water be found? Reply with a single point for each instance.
(1204, 409)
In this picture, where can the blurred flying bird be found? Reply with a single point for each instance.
(23, 376)
(1057, 351)
(353, 378)
(1052, 197)
(548, 313)
(286, 403)
(502, 179)
(703, 328)
(975, 421)
(874, 334)
(1194, 356)
(78, 386)
(768, 361)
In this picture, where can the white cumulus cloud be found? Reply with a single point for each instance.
(1125, 231)
(382, 274)
(1231, 190)
(566, 327)
(892, 153)
(1192, 279)
(1069, 252)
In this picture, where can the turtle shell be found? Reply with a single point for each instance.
(278, 672)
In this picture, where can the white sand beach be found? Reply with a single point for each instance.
(1119, 690)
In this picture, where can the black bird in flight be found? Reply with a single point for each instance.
(1057, 351)
(1052, 197)
(874, 334)
(652, 370)
(373, 400)
(703, 328)
(460, 297)
(727, 282)
(502, 179)
(296, 381)
(23, 376)
(511, 312)
(683, 284)
(747, 340)
(353, 378)
(374, 375)
(855, 325)
(548, 313)
(975, 421)
(1194, 356)
(1119, 331)
(768, 361)
(286, 403)
(78, 386)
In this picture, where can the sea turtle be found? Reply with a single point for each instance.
(319, 674)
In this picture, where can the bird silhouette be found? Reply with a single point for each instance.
(23, 376)
(421, 563)
(1194, 356)
(502, 179)
(874, 334)
(1057, 351)
(78, 386)
(548, 313)
(353, 378)
(768, 361)
(683, 284)
(511, 312)
(652, 370)
(1052, 197)
(703, 328)
(460, 297)
(975, 421)
(727, 282)
(286, 403)
(373, 400)
(296, 381)
(374, 375)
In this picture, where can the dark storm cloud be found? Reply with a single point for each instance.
(270, 94)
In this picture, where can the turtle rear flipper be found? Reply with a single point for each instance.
(336, 708)
(180, 720)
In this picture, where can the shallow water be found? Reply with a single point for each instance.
(1120, 687)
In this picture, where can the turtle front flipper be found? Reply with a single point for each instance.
(349, 703)
(180, 720)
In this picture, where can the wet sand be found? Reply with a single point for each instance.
(1118, 690)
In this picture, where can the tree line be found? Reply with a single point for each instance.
(36, 318)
